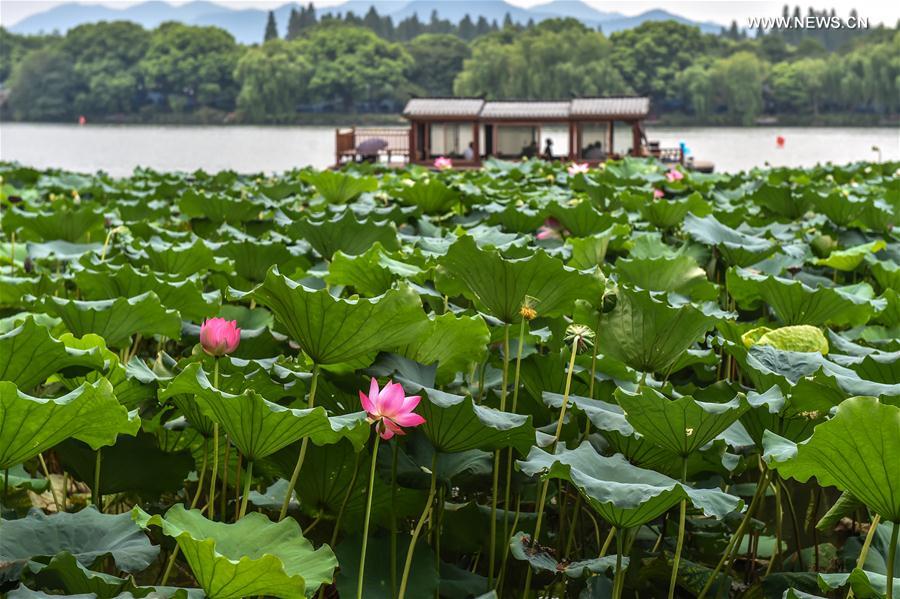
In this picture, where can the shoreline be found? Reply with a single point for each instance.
(342, 120)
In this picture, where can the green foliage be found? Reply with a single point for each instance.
(724, 355)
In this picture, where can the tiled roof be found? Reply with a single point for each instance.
(579, 108)
(588, 107)
(455, 107)
(521, 110)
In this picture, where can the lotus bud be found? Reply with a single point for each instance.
(219, 336)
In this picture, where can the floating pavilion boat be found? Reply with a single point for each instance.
(469, 130)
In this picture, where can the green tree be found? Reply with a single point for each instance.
(353, 64)
(13, 49)
(437, 59)
(295, 24)
(271, 28)
(273, 81)
(191, 66)
(696, 85)
(739, 80)
(106, 57)
(557, 58)
(651, 56)
(43, 86)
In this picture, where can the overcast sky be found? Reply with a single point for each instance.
(720, 11)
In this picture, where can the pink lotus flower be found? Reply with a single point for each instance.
(658, 193)
(442, 162)
(390, 408)
(219, 336)
(549, 230)
(674, 175)
(576, 168)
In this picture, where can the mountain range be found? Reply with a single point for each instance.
(248, 25)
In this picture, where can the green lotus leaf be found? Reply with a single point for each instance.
(682, 425)
(499, 286)
(514, 216)
(781, 200)
(794, 302)
(259, 427)
(621, 493)
(857, 451)
(648, 333)
(218, 207)
(186, 258)
(452, 342)
(886, 273)
(66, 224)
(253, 556)
(865, 585)
(17, 476)
(61, 250)
(423, 576)
(130, 391)
(87, 535)
(116, 320)
(588, 252)
(841, 209)
(32, 425)
(581, 219)
(160, 471)
(29, 354)
(253, 257)
(849, 259)
(65, 573)
(14, 289)
(328, 473)
(540, 559)
(184, 295)
(344, 233)
(430, 195)
(337, 187)
(332, 330)
(679, 274)
(890, 316)
(370, 273)
(665, 214)
(797, 338)
(456, 423)
(737, 248)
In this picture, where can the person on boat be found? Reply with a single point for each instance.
(469, 152)
(548, 150)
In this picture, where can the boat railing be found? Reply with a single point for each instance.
(348, 140)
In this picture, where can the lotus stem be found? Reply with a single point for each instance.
(215, 465)
(49, 482)
(246, 494)
(340, 515)
(515, 523)
(415, 536)
(202, 474)
(892, 556)
(562, 416)
(795, 523)
(594, 362)
(779, 516)
(393, 562)
(736, 538)
(509, 455)
(495, 486)
(619, 579)
(864, 552)
(296, 473)
(607, 542)
(365, 536)
(97, 497)
(237, 477)
(679, 544)
(224, 505)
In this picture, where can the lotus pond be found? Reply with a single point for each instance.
(521, 381)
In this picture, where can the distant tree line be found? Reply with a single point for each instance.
(350, 64)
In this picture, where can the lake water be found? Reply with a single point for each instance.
(119, 149)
